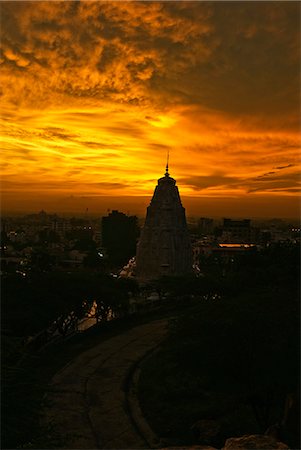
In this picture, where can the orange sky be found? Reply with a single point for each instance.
(95, 93)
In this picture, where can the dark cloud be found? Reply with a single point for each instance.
(266, 174)
(106, 185)
(205, 182)
(152, 118)
(252, 66)
(267, 182)
(28, 185)
(239, 57)
(279, 182)
(57, 133)
(101, 145)
(73, 172)
(284, 167)
(159, 146)
(129, 130)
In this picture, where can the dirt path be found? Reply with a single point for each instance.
(87, 404)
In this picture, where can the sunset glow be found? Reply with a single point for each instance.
(95, 93)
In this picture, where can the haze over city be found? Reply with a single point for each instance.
(94, 94)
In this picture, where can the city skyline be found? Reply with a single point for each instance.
(96, 93)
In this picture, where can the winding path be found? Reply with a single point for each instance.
(91, 403)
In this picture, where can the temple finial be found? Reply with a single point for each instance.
(167, 161)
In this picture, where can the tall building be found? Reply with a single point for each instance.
(164, 247)
(119, 236)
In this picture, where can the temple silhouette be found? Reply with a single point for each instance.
(164, 246)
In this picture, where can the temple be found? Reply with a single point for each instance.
(164, 247)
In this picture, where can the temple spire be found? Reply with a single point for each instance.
(164, 247)
(167, 161)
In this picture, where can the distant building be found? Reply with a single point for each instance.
(238, 231)
(164, 247)
(205, 225)
(60, 226)
(228, 251)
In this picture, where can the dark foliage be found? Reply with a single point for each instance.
(233, 360)
(29, 306)
(32, 303)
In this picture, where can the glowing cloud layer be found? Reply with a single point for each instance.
(94, 93)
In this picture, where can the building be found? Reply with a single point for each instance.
(119, 235)
(164, 247)
(239, 232)
(60, 226)
(205, 225)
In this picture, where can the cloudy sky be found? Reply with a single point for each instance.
(93, 94)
